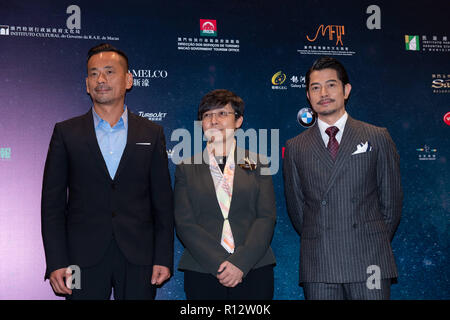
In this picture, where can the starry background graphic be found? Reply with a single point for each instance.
(42, 83)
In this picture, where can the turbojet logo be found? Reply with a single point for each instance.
(339, 31)
(208, 28)
(412, 43)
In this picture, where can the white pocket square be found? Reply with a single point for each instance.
(363, 147)
(143, 143)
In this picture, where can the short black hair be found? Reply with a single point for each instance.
(328, 63)
(219, 98)
(106, 47)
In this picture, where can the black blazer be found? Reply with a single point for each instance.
(199, 220)
(83, 208)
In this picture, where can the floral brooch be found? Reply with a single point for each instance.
(248, 164)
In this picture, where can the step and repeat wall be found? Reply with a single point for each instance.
(396, 53)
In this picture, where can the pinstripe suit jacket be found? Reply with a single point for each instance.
(346, 212)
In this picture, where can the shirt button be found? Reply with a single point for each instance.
(324, 202)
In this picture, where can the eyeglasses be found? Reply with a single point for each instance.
(220, 114)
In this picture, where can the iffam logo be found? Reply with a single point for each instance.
(332, 30)
(208, 28)
(412, 43)
(278, 78)
(4, 30)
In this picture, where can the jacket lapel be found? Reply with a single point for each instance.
(91, 140)
(205, 179)
(238, 180)
(132, 137)
(348, 142)
(318, 147)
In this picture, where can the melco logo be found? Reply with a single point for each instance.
(149, 73)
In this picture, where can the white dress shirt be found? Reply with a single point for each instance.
(324, 126)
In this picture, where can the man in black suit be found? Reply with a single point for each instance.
(343, 193)
(107, 197)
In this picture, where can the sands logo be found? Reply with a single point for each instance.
(208, 28)
(332, 30)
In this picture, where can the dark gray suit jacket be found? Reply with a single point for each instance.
(346, 212)
(199, 220)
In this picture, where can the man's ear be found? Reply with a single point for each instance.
(347, 89)
(129, 80)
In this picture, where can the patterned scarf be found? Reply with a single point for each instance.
(223, 184)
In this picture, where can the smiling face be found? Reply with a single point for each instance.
(108, 78)
(327, 94)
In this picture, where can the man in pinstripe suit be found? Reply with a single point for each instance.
(343, 194)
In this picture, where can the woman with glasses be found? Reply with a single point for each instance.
(225, 211)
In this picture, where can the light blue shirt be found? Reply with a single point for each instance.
(111, 141)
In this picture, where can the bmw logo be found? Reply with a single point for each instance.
(306, 117)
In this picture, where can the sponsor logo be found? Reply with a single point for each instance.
(142, 77)
(447, 118)
(426, 153)
(440, 83)
(153, 116)
(277, 80)
(208, 28)
(5, 153)
(306, 117)
(425, 43)
(326, 40)
(412, 43)
(332, 30)
(298, 82)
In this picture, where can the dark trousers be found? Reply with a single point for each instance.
(346, 291)
(130, 282)
(257, 285)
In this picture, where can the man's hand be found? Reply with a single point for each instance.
(229, 275)
(57, 281)
(160, 274)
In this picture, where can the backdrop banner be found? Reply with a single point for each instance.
(396, 54)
